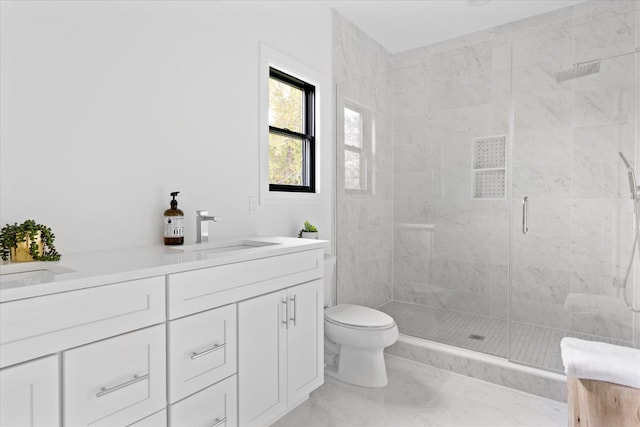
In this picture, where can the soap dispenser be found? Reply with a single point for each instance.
(174, 223)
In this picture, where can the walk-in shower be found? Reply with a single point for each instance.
(467, 130)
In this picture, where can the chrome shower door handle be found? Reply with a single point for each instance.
(525, 215)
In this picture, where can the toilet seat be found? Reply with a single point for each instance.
(358, 317)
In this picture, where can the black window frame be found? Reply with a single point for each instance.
(307, 136)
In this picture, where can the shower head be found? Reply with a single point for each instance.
(578, 70)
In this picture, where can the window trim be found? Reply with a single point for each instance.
(324, 146)
(307, 136)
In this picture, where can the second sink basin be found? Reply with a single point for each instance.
(225, 246)
(29, 273)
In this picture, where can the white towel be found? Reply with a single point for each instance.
(601, 361)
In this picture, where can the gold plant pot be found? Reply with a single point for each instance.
(21, 252)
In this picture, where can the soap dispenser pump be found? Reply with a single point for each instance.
(174, 223)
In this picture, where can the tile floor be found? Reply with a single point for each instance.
(531, 345)
(420, 396)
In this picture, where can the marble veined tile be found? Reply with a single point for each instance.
(411, 157)
(540, 284)
(419, 396)
(410, 130)
(467, 60)
(605, 37)
(543, 251)
(465, 91)
(604, 105)
(601, 10)
(538, 77)
(543, 147)
(543, 111)
(553, 41)
(544, 182)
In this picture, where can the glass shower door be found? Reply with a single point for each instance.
(571, 212)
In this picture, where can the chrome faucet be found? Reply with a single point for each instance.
(202, 234)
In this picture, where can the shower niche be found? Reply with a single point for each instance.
(488, 180)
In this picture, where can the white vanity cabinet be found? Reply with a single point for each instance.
(228, 341)
(280, 347)
(29, 394)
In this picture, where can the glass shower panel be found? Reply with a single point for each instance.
(569, 124)
(451, 220)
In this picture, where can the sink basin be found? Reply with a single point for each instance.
(226, 246)
(29, 273)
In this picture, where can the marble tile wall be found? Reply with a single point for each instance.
(363, 72)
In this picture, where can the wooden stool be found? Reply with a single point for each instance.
(597, 403)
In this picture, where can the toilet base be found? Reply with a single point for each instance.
(361, 367)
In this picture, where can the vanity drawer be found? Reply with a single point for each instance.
(35, 327)
(199, 290)
(213, 406)
(202, 350)
(116, 381)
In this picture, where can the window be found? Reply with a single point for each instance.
(291, 133)
(358, 148)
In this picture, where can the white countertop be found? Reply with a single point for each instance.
(84, 270)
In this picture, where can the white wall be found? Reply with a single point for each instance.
(106, 107)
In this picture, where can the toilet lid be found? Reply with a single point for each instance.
(357, 315)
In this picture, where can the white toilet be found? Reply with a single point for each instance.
(355, 339)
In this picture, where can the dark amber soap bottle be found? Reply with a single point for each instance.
(174, 223)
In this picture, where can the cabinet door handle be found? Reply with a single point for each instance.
(216, 347)
(525, 215)
(286, 312)
(295, 310)
(219, 422)
(136, 379)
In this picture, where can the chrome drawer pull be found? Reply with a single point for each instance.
(195, 355)
(135, 379)
(219, 422)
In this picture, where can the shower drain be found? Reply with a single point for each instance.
(476, 337)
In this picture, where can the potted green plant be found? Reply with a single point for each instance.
(309, 231)
(28, 242)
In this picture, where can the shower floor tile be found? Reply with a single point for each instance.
(530, 344)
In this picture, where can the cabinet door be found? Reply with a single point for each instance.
(116, 381)
(29, 394)
(305, 358)
(261, 359)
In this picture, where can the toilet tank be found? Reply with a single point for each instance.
(329, 280)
